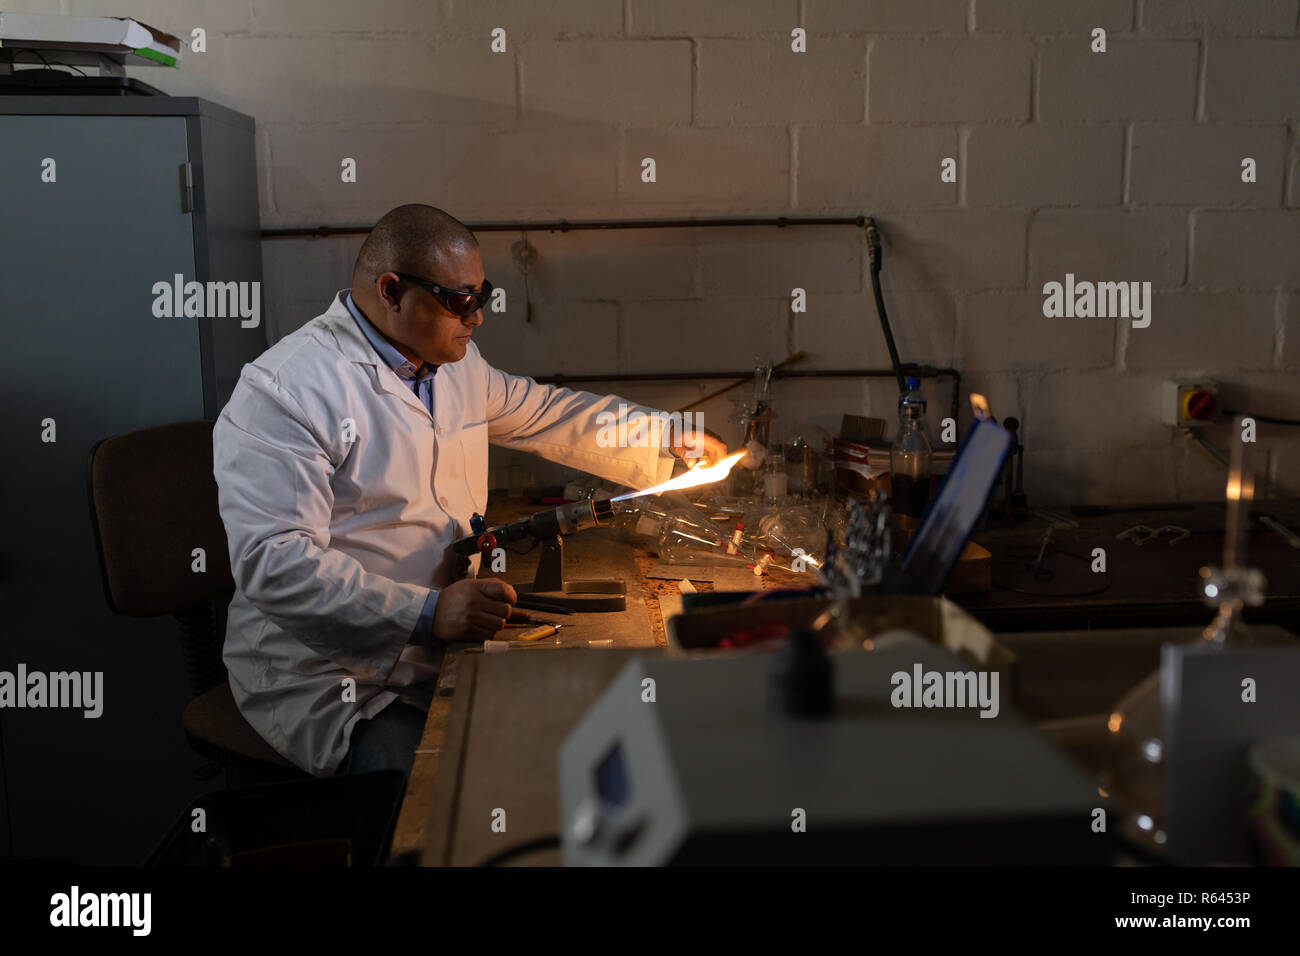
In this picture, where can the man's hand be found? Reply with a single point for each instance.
(473, 609)
(698, 444)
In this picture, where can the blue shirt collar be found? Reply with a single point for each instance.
(393, 358)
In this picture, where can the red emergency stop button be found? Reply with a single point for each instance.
(1198, 405)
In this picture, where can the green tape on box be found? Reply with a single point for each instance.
(162, 58)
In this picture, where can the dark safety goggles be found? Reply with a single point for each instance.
(455, 301)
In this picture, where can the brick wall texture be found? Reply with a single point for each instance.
(1123, 165)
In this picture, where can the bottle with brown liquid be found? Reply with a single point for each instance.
(909, 458)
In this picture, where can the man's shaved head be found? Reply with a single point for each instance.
(426, 244)
(408, 239)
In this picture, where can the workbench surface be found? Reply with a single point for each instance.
(539, 700)
(591, 554)
(1154, 584)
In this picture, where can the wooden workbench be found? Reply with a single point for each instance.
(535, 697)
(495, 759)
(428, 811)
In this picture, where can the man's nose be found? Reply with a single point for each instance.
(475, 318)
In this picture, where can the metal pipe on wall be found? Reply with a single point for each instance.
(565, 225)
(919, 371)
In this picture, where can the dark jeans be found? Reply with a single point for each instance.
(386, 741)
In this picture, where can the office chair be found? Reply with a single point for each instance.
(153, 501)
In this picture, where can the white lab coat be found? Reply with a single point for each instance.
(335, 546)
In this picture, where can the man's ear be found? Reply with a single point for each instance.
(389, 288)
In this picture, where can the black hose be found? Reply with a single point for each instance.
(530, 846)
(876, 254)
(1266, 419)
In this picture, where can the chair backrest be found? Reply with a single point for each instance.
(153, 502)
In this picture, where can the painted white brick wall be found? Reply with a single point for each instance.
(1108, 244)
(1007, 331)
(674, 18)
(764, 261)
(928, 80)
(1140, 78)
(885, 16)
(1204, 152)
(1240, 324)
(1052, 16)
(1252, 80)
(851, 168)
(1222, 16)
(1245, 250)
(1045, 165)
(761, 82)
(607, 81)
(1116, 166)
(733, 169)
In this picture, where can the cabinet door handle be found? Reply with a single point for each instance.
(187, 187)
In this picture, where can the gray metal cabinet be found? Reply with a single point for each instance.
(144, 189)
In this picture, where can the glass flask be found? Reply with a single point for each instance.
(755, 417)
(805, 459)
(1136, 724)
(794, 533)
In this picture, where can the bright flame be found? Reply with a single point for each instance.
(701, 474)
(1240, 487)
(980, 406)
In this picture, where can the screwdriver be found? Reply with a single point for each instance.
(536, 633)
(496, 647)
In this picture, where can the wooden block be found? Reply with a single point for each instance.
(973, 572)
(670, 605)
(736, 579)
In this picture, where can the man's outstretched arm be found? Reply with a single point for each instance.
(581, 429)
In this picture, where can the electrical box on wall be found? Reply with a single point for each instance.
(1188, 404)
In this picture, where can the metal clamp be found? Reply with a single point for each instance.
(1141, 534)
(1269, 521)
(1058, 522)
(1178, 533)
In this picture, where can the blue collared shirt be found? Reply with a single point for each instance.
(420, 381)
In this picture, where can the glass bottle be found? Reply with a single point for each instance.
(909, 458)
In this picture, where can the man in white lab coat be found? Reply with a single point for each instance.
(349, 458)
